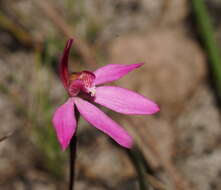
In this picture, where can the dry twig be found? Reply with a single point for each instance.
(81, 46)
(21, 35)
(6, 136)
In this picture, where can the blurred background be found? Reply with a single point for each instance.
(180, 145)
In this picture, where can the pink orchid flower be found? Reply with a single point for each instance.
(83, 91)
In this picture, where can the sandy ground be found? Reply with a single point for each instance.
(181, 143)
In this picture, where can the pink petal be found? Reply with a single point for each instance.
(113, 72)
(101, 121)
(65, 123)
(63, 67)
(124, 101)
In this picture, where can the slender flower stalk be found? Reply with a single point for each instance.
(73, 154)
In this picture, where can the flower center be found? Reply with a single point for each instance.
(82, 84)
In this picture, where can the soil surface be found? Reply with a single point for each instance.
(181, 144)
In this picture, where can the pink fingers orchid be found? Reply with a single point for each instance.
(83, 92)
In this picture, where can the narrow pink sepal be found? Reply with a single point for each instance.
(102, 122)
(63, 66)
(124, 101)
(113, 72)
(65, 123)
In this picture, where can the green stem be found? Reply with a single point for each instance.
(140, 169)
(207, 35)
